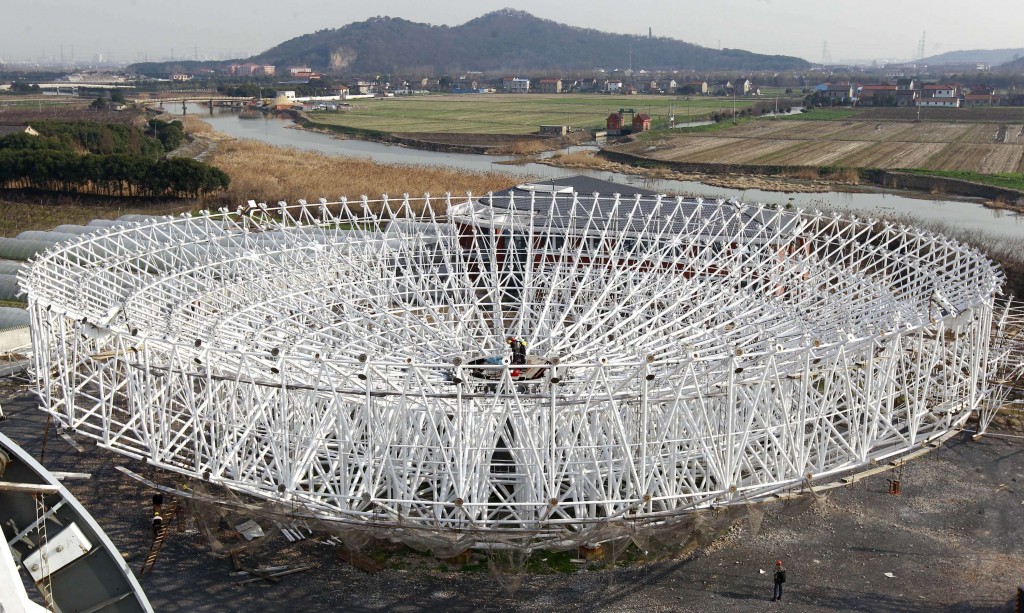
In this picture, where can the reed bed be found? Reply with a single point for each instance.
(193, 124)
(525, 147)
(266, 173)
(580, 159)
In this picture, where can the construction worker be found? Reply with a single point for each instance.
(518, 346)
(158, 522)
(778, 578)
(518, 354)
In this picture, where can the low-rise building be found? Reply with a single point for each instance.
(839, 92)
(641, 122)
(906, 97)
(252, 70)
(877, 95)
(553, 130)
(549, 86)
(939, 90)
(981, 100)
(698, 87)
(515, 85)
(940, 101)
(613, 124)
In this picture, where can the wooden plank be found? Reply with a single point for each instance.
(357, 559)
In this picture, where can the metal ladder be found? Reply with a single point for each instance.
(158, 540)
(44, 584)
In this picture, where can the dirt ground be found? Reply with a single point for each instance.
(952, 541)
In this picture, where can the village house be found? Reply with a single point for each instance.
(939, 101)
(741, 87)
(906, 84)
(972, 100)
(361, 87)
(906, 97)
(515, 85)
(838, 93)
(549, 86)
(939, 90)
(698, 87)
(465, 84)
(304, 76)
(612, 86)
(641, 122)
(939, 95)
(667, 85)
(877, 95)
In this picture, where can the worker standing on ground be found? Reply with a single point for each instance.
(779, 577)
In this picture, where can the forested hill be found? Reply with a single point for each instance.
(1016, 66)
(506, 40)
(991, 56)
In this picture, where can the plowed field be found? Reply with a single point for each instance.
(936, 145)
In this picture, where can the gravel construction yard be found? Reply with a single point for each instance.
(952, 541)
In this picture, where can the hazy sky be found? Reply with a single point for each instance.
(130, 30)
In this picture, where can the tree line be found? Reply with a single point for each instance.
(111, 160)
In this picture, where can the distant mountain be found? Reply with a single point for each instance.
(1016, 66)
(989, 56)
(505, 40)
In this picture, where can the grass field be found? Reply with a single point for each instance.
(985, 148)
(513, 113)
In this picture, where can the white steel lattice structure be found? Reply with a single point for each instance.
(353, 360)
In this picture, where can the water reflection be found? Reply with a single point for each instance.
(878, 203)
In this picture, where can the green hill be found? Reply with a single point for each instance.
(505, 40)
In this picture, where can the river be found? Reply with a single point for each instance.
(965, 215)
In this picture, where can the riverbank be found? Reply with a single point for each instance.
(588, 161)
(448, 142)
(814, 177)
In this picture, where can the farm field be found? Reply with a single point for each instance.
(512, 113)
(981, 147)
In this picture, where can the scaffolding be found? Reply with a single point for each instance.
(512, 371)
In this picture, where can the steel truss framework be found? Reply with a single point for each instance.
(351, 358)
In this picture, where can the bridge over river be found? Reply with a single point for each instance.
(184, 101)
